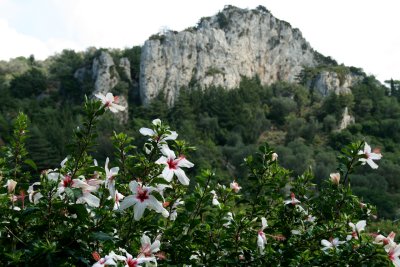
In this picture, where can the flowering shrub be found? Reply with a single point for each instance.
(144, 208)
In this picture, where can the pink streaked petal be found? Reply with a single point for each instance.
(77, 183)
(396, 251)
(145, 240)
(182, 176)
(392, 235)
(119, 195)
(94, 182)
(168, 152)
(396, 262)
(133, 186)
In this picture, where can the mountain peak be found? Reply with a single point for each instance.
(222, 49)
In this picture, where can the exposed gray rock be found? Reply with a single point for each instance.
(347, 119)
(328, 82)
(125, 65)
(104, 73)
(223, 49)
(106, 77)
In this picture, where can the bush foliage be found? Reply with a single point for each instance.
(149, 208)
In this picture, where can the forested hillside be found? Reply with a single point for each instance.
(224, 125)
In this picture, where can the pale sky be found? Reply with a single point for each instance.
(360, 33)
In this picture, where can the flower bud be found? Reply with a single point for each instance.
(10, 185)
(335, 178)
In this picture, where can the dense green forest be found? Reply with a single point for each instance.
(224, 126)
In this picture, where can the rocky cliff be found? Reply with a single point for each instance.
(327, 82)
(221, 50)
(105, 77)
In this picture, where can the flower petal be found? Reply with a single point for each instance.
(146, 131)
(167, 174)
(367, 148)
(182, 176)
(109, 97)
(361, 225)
(145, 240)
(171, 136)
(375, 156)
(326, 243)
(128, 201)
(106, 166)
(167, 152)
(133, 186)
(183, 162)
(114, 171)
(91, 200)
(162, 160)
(372, 164)
(155, 247)
(117, 107)
(139, 210)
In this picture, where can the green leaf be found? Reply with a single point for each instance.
(101, 236)
(70, 193)
(93, 169)
(31, 163)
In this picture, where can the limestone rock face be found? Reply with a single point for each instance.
(347, 119)
(106, 77)
(125, 65)
(220, 51)
(328, 82)
(104, 73)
